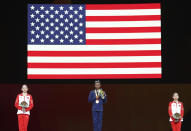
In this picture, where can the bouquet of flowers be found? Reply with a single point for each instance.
(177, 117)
(24, 104)
(102, 93)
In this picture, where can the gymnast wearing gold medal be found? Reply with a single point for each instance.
(97, 97)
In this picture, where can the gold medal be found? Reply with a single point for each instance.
(97, 101)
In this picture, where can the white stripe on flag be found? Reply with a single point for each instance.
(95, 71)
(124, 24)
(123, 12)
(94, 47)
(123, 35)
(94, 59)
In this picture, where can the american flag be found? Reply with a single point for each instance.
(94, 41)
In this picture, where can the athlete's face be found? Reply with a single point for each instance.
(24, 88)
(97, 85)
(175, 96)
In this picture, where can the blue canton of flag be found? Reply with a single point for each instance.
(56, 24)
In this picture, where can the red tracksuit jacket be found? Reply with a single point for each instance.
(175, 107)
(29, 101)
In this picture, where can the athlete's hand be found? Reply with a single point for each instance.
(176, 121)
(23, 109)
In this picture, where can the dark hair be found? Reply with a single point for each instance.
(97, 81)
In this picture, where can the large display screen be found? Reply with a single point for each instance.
(94, 41)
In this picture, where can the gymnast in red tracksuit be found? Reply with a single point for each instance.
(176, 107)
(23, 111)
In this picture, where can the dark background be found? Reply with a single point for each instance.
(134, 104)
(65, 107)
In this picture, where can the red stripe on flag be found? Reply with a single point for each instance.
(121, 41)
(123, 18)
(95, 53)
(123, 30)
(98, 76)
(95, 65)
(122, 6)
